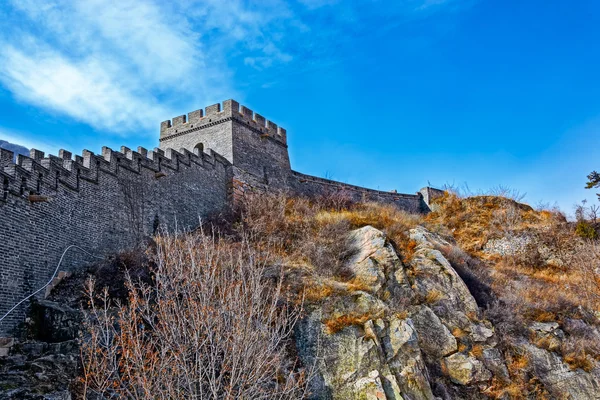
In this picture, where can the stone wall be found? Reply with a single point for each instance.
(311, 186)
(110, 202)
(104, 203)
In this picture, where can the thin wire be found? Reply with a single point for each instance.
(50, 281)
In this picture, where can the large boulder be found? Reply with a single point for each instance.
(372, 259)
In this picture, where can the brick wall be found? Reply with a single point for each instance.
(103, 203)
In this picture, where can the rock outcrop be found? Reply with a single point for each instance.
(414, 331)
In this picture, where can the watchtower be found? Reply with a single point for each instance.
(256, 147)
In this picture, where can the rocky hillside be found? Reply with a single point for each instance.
(483, 298)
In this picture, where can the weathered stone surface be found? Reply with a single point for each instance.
(39, 370)
(423, 237)
(434, 338)
(370, 387)
(434, 274)
(559, 379)
(372, 255)
(493, 360)
(464, 369)
(507, 245)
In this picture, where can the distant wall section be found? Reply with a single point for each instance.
(312, 186)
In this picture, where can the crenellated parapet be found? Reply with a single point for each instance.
(216, 114)
(103, 202)
(28, 175)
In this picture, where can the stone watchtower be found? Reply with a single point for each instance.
(256, 148)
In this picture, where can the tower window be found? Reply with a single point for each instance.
(199, 148)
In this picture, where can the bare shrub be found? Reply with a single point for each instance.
(337, 200)
(585, 260)
(211, 326)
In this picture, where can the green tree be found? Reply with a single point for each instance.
(594, 182)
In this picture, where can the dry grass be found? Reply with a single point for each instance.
(433, 296)
(334, 325)
(579, 359)
(476, 351)
(459, 333)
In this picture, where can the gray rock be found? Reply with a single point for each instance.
(492, 359)
(464, 369)
(434, 338)
(371, 254)
(558, 378)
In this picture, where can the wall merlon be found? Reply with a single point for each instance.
(272, 128)
(126, 151)
(64, 154)
(68, 165)
(37, 155)
(230, 106)
(164, 128)
(6, 157)
(26, 162)
(107, 153)
(246, 112)
(143, 151)
(260, 120)
(179, 120)
(173, 154)
(213, 110)
(282, 133)
(89, 160)
(195, 116)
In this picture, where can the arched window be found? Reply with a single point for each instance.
(199, 148)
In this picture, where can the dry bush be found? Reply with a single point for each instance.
(433, 296)
(315, 231)
(211, 326)
(395, 223)
(289, 226)
(586, 263)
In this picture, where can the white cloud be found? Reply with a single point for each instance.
(122, 66)
(118, 67)
(84, 90)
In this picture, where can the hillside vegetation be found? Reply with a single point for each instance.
(484, 297)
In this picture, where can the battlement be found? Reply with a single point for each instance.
(29, 175)
(214, 114)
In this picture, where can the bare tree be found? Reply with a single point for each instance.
(211, 327)
(593, 213)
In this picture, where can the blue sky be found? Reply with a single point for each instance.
(389, 95)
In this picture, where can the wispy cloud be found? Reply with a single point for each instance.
(120, 67)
